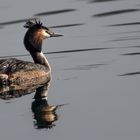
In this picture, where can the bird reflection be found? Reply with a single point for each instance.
(16, 91)
(44, 115)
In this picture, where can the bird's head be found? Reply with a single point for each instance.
(36, 33)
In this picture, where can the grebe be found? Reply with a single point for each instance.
(14, 71)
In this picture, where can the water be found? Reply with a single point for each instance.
(95, 68)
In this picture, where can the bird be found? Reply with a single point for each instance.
(15, 71)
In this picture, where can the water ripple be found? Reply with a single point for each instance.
(125, 38)
(85, 67)
(110, 13)
(77, 50)
(26, 19)
(42, 14)
(126, 24)
(134, 53)
(131, 73)
(123, 32)
(100, 1)
(67, 25)
(13, 21)
(55, 12)
(91, 1)
(57, 52)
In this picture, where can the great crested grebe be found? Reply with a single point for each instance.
(14, 71)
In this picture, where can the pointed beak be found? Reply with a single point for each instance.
(49, 33)
(55, 35)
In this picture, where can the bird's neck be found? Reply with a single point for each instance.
(39, 58)
(33, 44)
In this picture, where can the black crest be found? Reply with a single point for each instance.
(32, 44)
(33, 22)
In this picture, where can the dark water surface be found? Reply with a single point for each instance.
(95, 69)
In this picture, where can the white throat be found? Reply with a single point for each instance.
(45, 59)
(39, 58)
